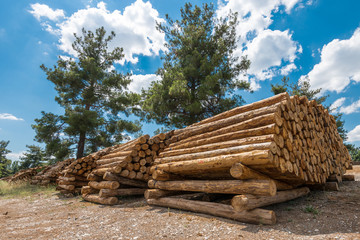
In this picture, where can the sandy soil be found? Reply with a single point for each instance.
(336, 215)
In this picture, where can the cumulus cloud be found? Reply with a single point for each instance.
(142, 82)
(339, 64)
(268, 51)
(15, 156)
(44, 11)
(337, 104)
(271, 52)
(135, 28)
(354, 135)
(8, 116)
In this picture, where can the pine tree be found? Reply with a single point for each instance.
(199, 69)
(93, 94)
(4, 161)
(33, 157)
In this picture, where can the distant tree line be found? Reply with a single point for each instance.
(199, 76)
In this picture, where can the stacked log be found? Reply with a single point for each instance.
(24, 175)
(125, 170)
(50, 173)
(262, 152)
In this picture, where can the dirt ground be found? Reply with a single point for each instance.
(320, 215)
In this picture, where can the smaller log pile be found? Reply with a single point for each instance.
(50, 173)
(261, 153)
(125, 170)
(24, 175)
(74, 176)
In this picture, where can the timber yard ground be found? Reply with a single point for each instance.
(320, 215)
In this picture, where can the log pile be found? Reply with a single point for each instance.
(50, 173)
(125, 170)
(261, 153)
(24, 175)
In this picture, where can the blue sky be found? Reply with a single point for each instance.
(298, 38)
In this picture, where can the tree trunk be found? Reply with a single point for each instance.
(81, 145)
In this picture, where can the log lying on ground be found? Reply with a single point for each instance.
(255, 187)
(121, 192)
(88, 190)
(97, 199)
(158, 193)
(104, 184)
(247, 202)
(112, 177)
(256, 216)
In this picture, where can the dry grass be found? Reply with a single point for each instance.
(22, 189)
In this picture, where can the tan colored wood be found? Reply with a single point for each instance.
(257, 216)
(97, 199)
(121, 192)
(85, 190)
(124, 181)
(242, 172)
(225, 151)
(248, 202)
(255, 187)
(158, 193)
(67, 187)
(257, 157)
(263, 103)
(104, 184)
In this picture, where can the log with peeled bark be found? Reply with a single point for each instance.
(124, 159)
(259, 104)
(256, 216)
(97, 199)
(256, 157)
(122, 154)
(169, 152)
(225, 151)
(158, 193)
(247, 202)
(121, 192)
(264, 130)
(255, 187)
(94, 177)
(124, 181)
(256, 122)
(242, 172)
(67, 187)
(85, 190)
(104, 184)
(226, 122)
(75, 183)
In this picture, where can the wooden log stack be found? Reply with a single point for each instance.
(125, 170)
(24, 175)
(50, 173)
(261, 153)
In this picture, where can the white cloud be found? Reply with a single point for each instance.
(271, 52)
(142, 82)
(135, 29)
(337, 104)
(15, 156)
(42, 10)
(339, 64)
(268, 51)
(354, 107)
(8, 116)
(354, 135)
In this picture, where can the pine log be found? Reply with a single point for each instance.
(214, 146)
(256, 157)
(85, 190)
(348, 177)
(255, 187)
(121, 154)
(242, 172)
(259, 121)
(76, 183)
(121, 192)
(227, 122)
(256, 216)
(247, 202)
(104, 184)
(97, 199)
(256, 105)
(265, 130)
(226, 151)
(67, 187)
(124, 159)
(158, 193)
(129, 182)
(93, 177)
